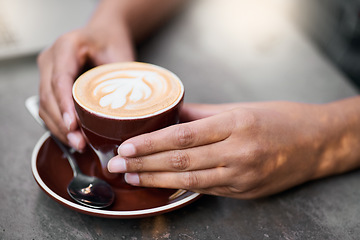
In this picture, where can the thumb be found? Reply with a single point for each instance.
(191, 111)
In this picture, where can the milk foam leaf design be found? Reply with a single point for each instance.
(121, 88)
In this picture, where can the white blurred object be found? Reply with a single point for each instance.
(28, 26)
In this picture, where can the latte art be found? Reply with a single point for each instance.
(127, 90)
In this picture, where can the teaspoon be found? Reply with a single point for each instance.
(86, 190)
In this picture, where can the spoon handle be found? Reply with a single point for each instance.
(32, 104)
(70, 157)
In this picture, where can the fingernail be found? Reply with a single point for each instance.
(116, 165)
(127, 150)
(74, 140)
(132, 178)
(67, 120)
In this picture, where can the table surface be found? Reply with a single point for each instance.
(218, 62)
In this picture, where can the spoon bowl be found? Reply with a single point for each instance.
(91, 191)
(86, 190)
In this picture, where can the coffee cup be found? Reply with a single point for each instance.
(117, 101)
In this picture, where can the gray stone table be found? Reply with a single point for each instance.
(223, 52)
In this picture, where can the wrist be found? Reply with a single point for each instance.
(339, 150)
(109, 34)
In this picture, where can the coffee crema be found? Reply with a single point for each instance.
(128, 90)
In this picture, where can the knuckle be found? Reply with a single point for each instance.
(180, 160)
(149, 144)
(56, 82)
(69, 36)
(67, 40)
(245, 119)
(58, 79)
(136, 164)
(250, 119)
(190, 180)
(184, 136)
(43, 100)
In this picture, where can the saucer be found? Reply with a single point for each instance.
(53, 173)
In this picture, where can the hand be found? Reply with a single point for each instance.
(235, 150)
(62, 63)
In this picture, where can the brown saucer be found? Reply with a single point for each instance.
(52, 172)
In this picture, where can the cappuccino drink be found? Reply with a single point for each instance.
(117, 101)
(128, 90)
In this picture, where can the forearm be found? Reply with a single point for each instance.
(341, 127)
(141, 17)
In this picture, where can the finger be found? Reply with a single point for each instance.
(222, 191)
(53, 126)
(48, 109)
(76, 140)
(216, 191)
(68, 58)
(186, 135)
(180, 180)
(190, 159)
(192, 111)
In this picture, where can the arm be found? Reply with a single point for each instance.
(140, 16)
(341, 138)
(109, 36)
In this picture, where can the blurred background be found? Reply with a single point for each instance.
(334, 26)
(27, 26)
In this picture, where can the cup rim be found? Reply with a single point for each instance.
(174, 104)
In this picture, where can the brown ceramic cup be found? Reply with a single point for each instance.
(115, 102)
